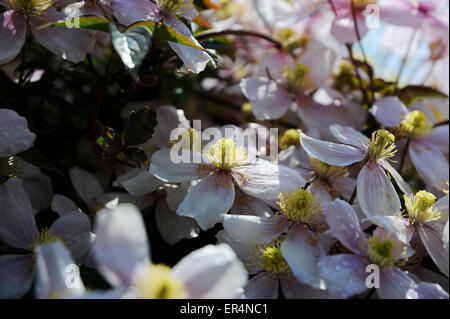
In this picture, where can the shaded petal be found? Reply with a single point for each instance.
(425, 290)
(172, 227)
(344, 274)
(211, 272)
(266, 180)
(121, 245)
(248, 205)
(302, 256)
(56, 273)
(348, 135)
(130, 11)
(169, 118)
(17, 225)
(194, 59)
(394, 283)
(12, 35)
(345, 226)
(86, 185)
(74, 229)
(254, 230)
(404, 186)
(389, 111)
(397, 226)
(15, 137)
(294, 289)
(439, 138)
(142, 183)
(69, 44)
(269, 100)
(165, 169)
(208, 200)
(262, 286)
(331, 153)
(63, 205)
(16, 275)
(421, 154)
(376, 194)
(431, 235)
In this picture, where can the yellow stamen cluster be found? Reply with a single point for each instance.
(300, 206)
(382, 145)
(226, 155)
(290, 137)
(175, 6)
(159, 283)
(362, 4)
(45, 236)
(415, 124)
(291, 40)
(420, 207)
(268, 257)
(298, 77)
(380, 251)
(29, 6)
(325, 170)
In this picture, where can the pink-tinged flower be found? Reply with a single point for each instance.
(343, 27)
(58, 276)
(224, 164)
(164, 11)
(345, 274)
(428, 144)
(122, 250)
(426, 290)
(15, 137)
(18, 229)
(266, 262)
(425, 218)
(21, 15)
(299, 223)
(375, 192)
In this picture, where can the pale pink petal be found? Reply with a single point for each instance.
(130, 11)
(396, 226)
(331, 153)
(439, 138)
(422, 154)
(343, 28)
(208, 200)
(389, 111)
(394, 283)
(402, 184)
(269, 100)
(254, 230)
(375, 192)
(321, 59)
(345, 226)
(344, 274)
(248, 205)
(121, 246)
(12, 35)
(262, 286)
(172, 227)
(17, 225)
(16, 276)
(15, 137)
(431, 235)
(162, 166)
(348, 135)
(211, 272)
(272, 65)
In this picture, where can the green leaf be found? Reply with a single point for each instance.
(411, 93)
(164, 32)
(108, 140)
(86, 22)
(140, 126)
(137, 156)
(132, 46)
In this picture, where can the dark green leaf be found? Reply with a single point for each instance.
(86, 22)
(411, 93)
(140, 126)
(137, 156)
(108, 140)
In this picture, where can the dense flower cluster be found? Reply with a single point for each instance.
(262, 148)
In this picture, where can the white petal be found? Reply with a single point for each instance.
(348, 135)
(394, 283)
(165, 169)
(262, 286)
(425, 290)
(431, 235)
(389, 111)
(142, 183)
(211, 272)
(63, 205)
(15, 137)
(404, 186)
(86, 185)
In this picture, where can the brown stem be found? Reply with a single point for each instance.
(255, 34)
(405, 151)
(446, 122)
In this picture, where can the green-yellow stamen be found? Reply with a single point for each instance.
(380, 251)
(420, 207)
(382, 145)
(290, 137)
(300, 206)
(175, 6)
(29, 6)
(325, 170)
(298, 77)
(268, 257)
(159, 283)
(415, 124)
(226, 155)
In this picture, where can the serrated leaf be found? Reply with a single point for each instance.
(108, 140)
(164, 32)
(132, 46)
(411, 93)
(86, 22)
(137, 156)
(140, 126)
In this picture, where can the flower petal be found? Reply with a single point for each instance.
(262, 286)
(404, 186)
(12, 35)
(439, 138)
(331, 153)
(426, 290)
(348, 135)
(162, 166)
(130, 11)
(389, 111)
(86, 185)
(431, 235)
(394, 283)
(376, 194)
(15, 137)
(208, 200)
(16, 276)
(211, 272)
